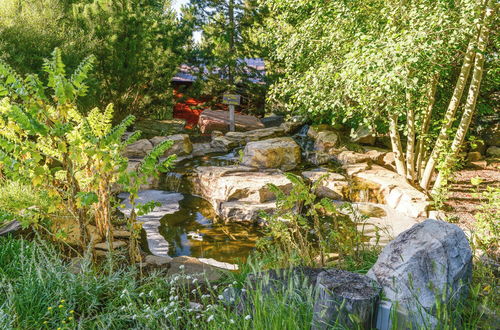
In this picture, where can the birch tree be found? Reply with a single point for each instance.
(390, 65)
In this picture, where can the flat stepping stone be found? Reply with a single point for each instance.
(169, 204)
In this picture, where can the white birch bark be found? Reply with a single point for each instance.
(396, 145)
(475, 85)
(450, 114)
(425, 126)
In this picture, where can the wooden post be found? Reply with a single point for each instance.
(231, 118)
(231, 100)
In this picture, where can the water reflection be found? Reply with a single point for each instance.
(223, 242)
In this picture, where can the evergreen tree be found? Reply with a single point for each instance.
(227, 41)
(139, 46)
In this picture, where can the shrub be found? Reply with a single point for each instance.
(76, 159)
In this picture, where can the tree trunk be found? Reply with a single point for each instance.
(396, 145)
(410, 147)
(231, 68)
(449, 115)
(475, 85)
(425, 126)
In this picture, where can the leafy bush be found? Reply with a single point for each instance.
(139, 46)
(307, 230)
(76, 159)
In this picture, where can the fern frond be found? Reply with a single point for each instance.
(81, 74)
(117, 132)
(11, 82)
(148, 164)
(132, 138)
(26, 121)
(35, 86)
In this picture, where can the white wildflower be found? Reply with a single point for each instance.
(141, 294)
(172, 304)
(221, 297)
(231, 321)
(158, 300)
(248, 317)
(210, 318)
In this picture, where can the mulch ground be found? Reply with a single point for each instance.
(462, 203)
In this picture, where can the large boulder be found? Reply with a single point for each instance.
(363, 135)
(272, 120)
(182, 144)
(234, 139)
(351, 157)
(313, 130)
(283, 153)
(327, 142)
(238, 193)
(431, 261)
(332, 185)
(218, 120)
(491, 135)
(493, 151)
(391, 189)
(138, 149)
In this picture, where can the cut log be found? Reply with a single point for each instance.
(345, 299)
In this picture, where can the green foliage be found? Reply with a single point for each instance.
(356, 61)
(30, 30)
(35, 282)
(74, 158)
(24, 203)
(487, 225)
(307, 230)
(138, 44)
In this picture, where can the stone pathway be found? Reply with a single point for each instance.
(151, 221)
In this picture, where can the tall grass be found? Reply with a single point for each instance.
(39, 290)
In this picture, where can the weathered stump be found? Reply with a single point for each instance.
(345, 299)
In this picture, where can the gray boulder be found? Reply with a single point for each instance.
(138, 149)
(428, 262)
(493, 151)
(283, 153)
(181, 144)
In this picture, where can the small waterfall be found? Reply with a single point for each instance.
(306, 144)
(172, 182)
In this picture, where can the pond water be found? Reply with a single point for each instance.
(192, 231)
